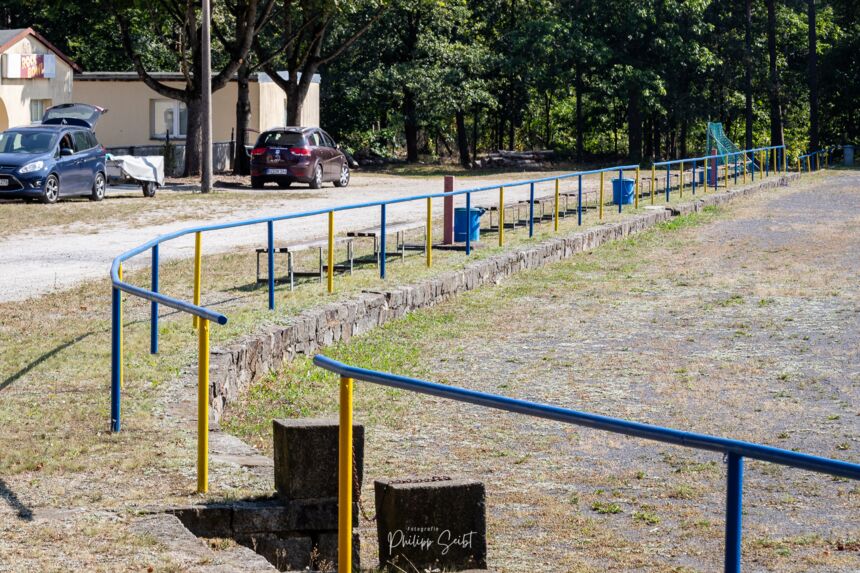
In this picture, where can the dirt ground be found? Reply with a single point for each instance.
(45, 248)
(742, 323)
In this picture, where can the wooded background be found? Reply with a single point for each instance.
(454, 78)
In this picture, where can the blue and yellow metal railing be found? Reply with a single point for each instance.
(814, 160)
(735, 451)
(203, 316)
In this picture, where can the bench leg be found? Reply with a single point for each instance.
(290, 269)
(350, 254)
(258, 267)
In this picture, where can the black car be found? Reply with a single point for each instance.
(303, 154)
(58, 158)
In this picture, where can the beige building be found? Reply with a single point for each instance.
(138, 116)
(34, 75)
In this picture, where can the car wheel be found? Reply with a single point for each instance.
(149, 188)
(98, 188)
(52, 190)
(257, 182)
(317, 181)
(284, 184)
(343, 180)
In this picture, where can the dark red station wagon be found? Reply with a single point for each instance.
(303, 154)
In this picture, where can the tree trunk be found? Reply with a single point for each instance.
(656, 136)
(634, 123)
(241, 161)
(193, 138)
(547, 103)
(511, 129)
(776, 132)
(580, 124)
(462, 139)
(748, 63)
(812, 73)
(684, 137)
(475, 117)
(410, 120)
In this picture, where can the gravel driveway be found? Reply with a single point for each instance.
(47, 258)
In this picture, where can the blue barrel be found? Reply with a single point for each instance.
(472, 222)
(622, 191)
(848, 155)
(701, 175)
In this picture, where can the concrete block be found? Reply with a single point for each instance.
(214, 520)
(326, 552)
(306, 453)
(432, 524)
(285, 553)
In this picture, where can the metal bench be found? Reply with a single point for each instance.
(399, 231)
(293, 248)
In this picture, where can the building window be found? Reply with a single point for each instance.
(37, 109)
(167, 116)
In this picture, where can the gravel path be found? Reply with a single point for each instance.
(746, 327)
(45, 259)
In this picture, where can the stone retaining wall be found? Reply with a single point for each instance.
(236, 366)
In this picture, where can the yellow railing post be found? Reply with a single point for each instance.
(330, 260)
(681, 181)
(197, 272)
(429, 246)
(798, 164)
(744, 161)
(203, 407)
(121, 373)
(600, 199)
(344, 488)
(784, 162)
(808, 164)
(653, 182)
(636, 191)
(555, 211)
(501, 216)
(726, 172)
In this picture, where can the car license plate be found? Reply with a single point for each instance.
(276, 171)
(4, 182)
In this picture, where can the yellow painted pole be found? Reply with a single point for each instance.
(600, 200)
(344, 502)
(745, 167)
(197, 266)
(636, 191)
(556, 206)
(681, 184)
(429, 246)
(784, 162)
(808, 164)
(203, 407)
(653, 182)
(501, 216)
(330, 260)
(121, 377)
(798, 164)
(726, 172)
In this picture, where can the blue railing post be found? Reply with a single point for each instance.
(734, 515)
(153, 318)
(717, 171)
(736, 168)
(766, 163)
(382, 242)
(694, 177)
(668, 180)
(270, 228)
(579, 202)
(621, 189)
(531, 209)
(115, 373)
(752, 167)
(469, 222)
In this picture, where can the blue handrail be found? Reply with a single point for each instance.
(734, 450)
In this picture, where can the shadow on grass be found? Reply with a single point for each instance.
(24, 512)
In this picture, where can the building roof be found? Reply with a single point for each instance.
(10, 37)
(166, 76)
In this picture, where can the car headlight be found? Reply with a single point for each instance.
(34, 166)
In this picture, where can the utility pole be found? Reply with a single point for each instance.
(206, 79)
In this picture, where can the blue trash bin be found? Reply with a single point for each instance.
(848, 155)
(461, 224)
(622, 191)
